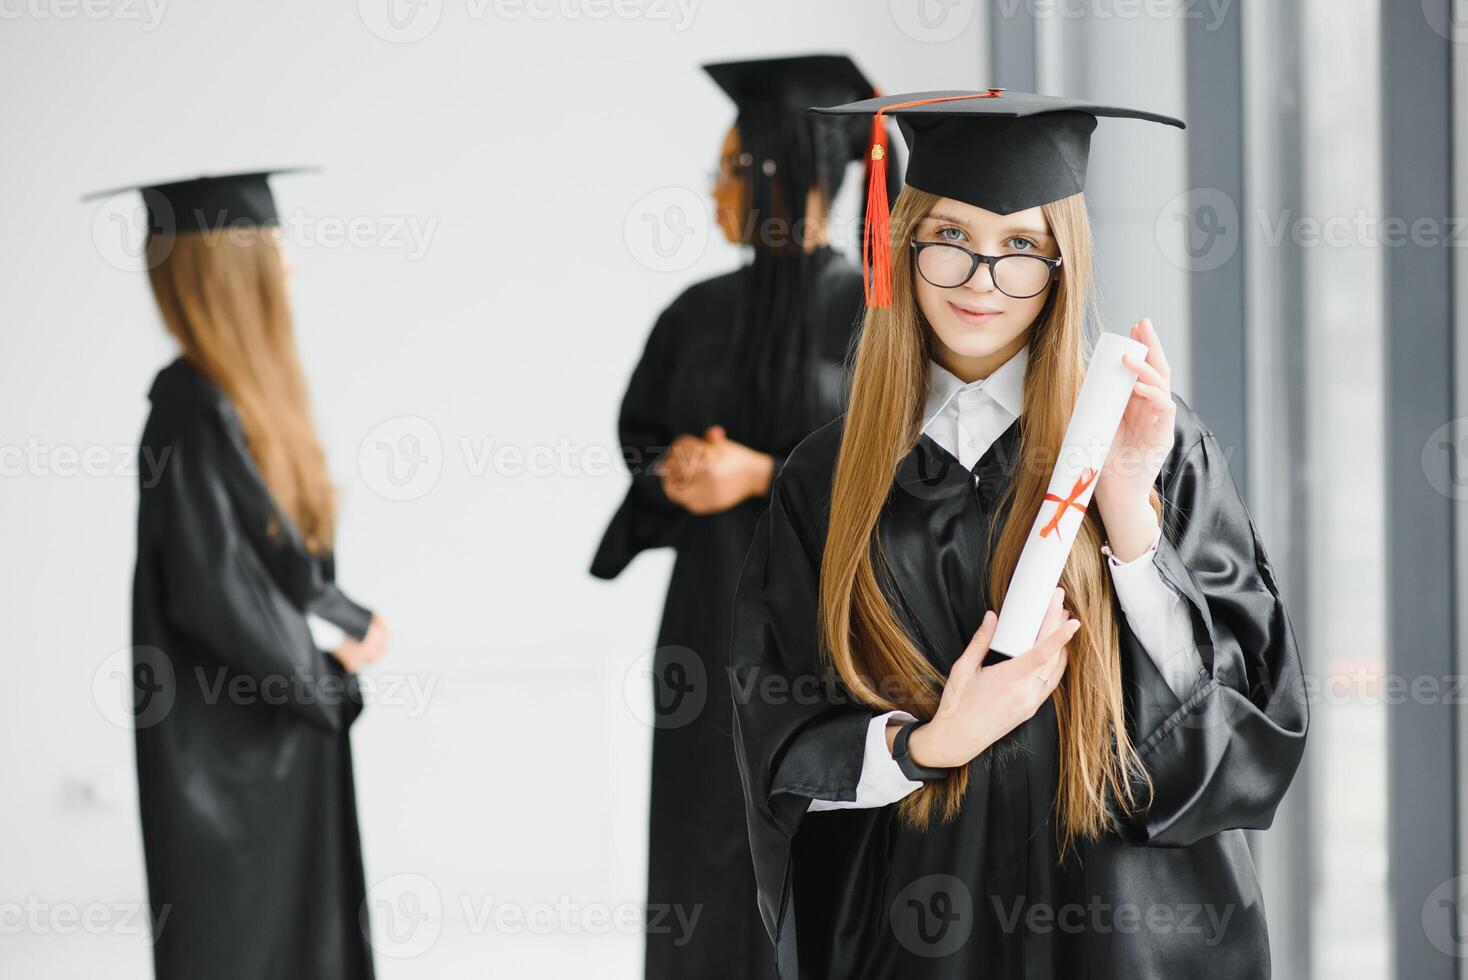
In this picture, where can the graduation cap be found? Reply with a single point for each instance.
(998, 150)
(791, 85)
(208, 203)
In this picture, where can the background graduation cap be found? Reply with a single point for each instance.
(998, 150)
(208, 203)
(773, 96)
(791, 83)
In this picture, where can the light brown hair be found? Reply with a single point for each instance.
(876, 659)
(223, 298)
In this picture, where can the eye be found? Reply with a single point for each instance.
(1031, 246)
(949, 233)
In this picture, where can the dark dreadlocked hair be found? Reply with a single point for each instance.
(777, 335)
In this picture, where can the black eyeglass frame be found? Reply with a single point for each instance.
(976, 260)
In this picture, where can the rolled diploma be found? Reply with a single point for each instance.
(1099, 408)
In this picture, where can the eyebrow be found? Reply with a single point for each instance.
(1013, 229)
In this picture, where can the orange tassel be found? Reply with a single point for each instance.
(876, 245)
(876, 242)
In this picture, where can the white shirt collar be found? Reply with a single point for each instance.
(1006, 385)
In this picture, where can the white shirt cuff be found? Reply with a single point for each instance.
(1158, 616)
(1139, 585)
(327, 636)
(882, 779)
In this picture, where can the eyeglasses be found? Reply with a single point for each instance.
(731, 166)
(735, 165)
(1016, 275)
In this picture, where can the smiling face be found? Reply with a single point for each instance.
(976, 327)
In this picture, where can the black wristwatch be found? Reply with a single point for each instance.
(909, 768)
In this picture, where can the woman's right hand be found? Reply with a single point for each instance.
(355, 654)
(981, 704)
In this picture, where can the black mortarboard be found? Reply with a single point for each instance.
(999, 150)
(766, 89)
(207, 203)
(794, 83)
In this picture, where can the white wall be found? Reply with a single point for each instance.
(1137, 171)
(524, 149)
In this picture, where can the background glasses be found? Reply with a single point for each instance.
(1017, 276)
(731, 167)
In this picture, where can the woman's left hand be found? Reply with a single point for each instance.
(1145, 436)
(712, 474)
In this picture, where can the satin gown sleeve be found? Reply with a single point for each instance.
(646, 518)
(797, 736)
(334, 606)
(219, 590)
(332, 616)
(882, 779)
(1222, 757)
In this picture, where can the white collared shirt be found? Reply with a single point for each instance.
(965, 419)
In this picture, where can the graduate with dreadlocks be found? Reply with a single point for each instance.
(736, 372)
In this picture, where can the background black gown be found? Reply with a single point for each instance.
(1171, 892)
(244, 763)
(698, 849)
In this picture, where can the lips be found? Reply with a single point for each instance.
(967, 315)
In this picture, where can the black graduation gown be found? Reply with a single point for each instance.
(698, 850)
(1171, 892)
(244, 762)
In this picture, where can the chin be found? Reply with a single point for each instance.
(967, 341)
(728, 223)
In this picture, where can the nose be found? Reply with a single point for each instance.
(982, 281)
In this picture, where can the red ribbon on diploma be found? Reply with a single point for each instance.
(1087, 475)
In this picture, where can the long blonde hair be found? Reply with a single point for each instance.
(223, 298)
(876, 659)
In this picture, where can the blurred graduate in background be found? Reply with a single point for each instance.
(736, 371)
(245, 650)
